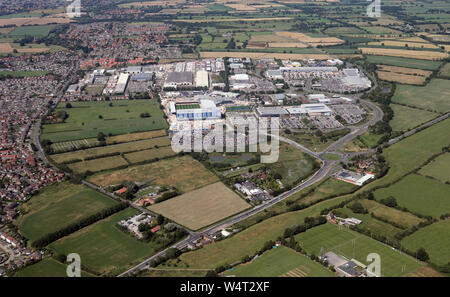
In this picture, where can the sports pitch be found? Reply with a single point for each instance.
(280, 261)
(202, 207)
(352, 245)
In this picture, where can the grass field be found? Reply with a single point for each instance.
(122, 117)
(202, 207)
(445, 71)
(150, 154)
(434, 96)
(372, 225)
(355, 246)
(422, 195)
(97, 165)
(404, 62)
(250, 240)
(435, 239)
(58, 206)
(292, 164)
(104, 248)
(438, 168)
(118, 148)
(183, 173)
(405, 219)
(330, 186)
(61, 147)
(36, 31)
(407, 118)
(46, 268)
(412, 152)
(281, 261)
(401, 78)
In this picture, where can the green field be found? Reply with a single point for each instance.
(281, 261)
(46, 268)
(118, 148)
(419, 194)
(97, 165)
(435, 239)
(434, 96)
(370, 139)
(438, 168)
(372, 225)
(352, 245)
(407, 118)
(292, 164)
(58, 206)
(412, 152)
(120, 118)
(445, 71)
(390, 214)
(20, 73)
(36, 31)
(104, 248)
(404, 62)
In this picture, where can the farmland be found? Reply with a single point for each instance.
(419, 194)
(97, 165)
(407, 118)
(59, 206)
(87, 119)
(402, 74)
(280, 261)
(404, 62)
(445, 71)
(103, 247)
(390, 214)
(433, 97)
(259, 55)
(425, 55)
(71, 145)
(354, 246)
(412, 152)
(183, 173)
(110, 149)
(438, 168)
(435, 239)
(202, 207)
(46, 268)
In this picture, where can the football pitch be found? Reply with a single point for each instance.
(351, 245)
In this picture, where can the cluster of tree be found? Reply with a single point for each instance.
(357, 207)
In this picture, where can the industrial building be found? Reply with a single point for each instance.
(296, 111)
(121, 83)
(271, 111)
(274, 74)
(202, 79)
(177, 79)
(317, 109)
(205, 110)
(310, 69)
